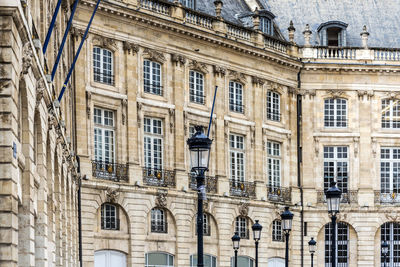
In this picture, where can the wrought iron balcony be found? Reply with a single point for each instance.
(211, 183)
(242, 189)
(158, 177)
(109, 224)
(110, 171)
(349, 196)
(386, 197)
(159, 227)
(279, 194)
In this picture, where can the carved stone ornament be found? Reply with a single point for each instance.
(131, 47)
(316, 145)
(219, 70)
(88, 104)
(293, 91)
(365, 93)
(65, 5)
(76, 33)
(104, 41)
(124, 103)
(310, 92)
(161, 199)
(341, 217)
(336, 93)
(393, 217)
(253, 135)
(178, 59)
(195, 65)
(356, 141)
(237, 76)
(257, 81)
(244, 209)
(112, 195)
(206, 206)
(39, 91)
(393, 95)
(51, 120)
(154, 55)
(374, 146)
(171, 112)
(26, 58)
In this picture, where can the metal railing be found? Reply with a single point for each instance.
(103, 77)
(390, 54)
(242, 189)
(109, 224)
(110, 171)
(211, 183)
(279, 194)
(236, 107)
(198, 19)
(386, 197)
(349, 196)
(159, 227)
(161, 7)
(158, 177)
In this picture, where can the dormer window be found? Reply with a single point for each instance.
(188, 3)
(266, 25)
(332, 33)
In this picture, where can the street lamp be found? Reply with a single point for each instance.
(287, 218)
(385, 250)
(333, 199)
(236, 245)
(257, 236)
(312, 244)
(199, 146)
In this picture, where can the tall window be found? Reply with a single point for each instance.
(390, 113)
(242, 261)
(206, 225)
(335, 112)
(109, 217)
(274, 164)
(208, 260)
(153, 143)
(152, 77)
(158, 221)
(266, 25)
(237, 157)
(336, 162)
(189, 3)
(103, 65)
(103, 135)
(196, 87)
(159, 259)
(342, 244)
(390, 170)
(390, 232)
(277, 231)
(241, 227)
(235, 97)
(273, 106)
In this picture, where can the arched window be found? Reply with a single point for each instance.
(335, 113)
(390, 232)
(152, 77)
(332, 33)
(391, 113)
(342, 244)
(109, 258)
(273, 106)
(242, 227)
(159, 259)
(242, 261)
(189, 3)
(277, 231)
(196, 87)
(159, 221)
(266, 24)
(209, 260)
(236, 97)
(276, 262)
(109, 217)
(103, 69)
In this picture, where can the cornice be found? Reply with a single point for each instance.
(351, 67)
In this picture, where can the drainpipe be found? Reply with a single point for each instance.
(299, 161)
(79, 211)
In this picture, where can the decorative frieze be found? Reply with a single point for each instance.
(257, 81)
(161, 198)
(237, 76)
(154, 55)
(195, 65)
(178, 59)
(219, 70)
(130, 47)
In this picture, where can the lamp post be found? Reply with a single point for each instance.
(385, 250)
(257, 236)
(236, 245)
(287, 218)
(333, 199)
(199, 146)
(312, 244)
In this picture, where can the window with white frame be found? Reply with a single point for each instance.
(274, 164)
(237, 157)
(153, 143)
(242, 261)
(335, 112)
(196, 87)
(109, 217)
(104, 132)
(277, 231)
(391, 113)
(266, 25)
(208, 260)
(390, 170)
(103, 69)
(236, 97)
(241, 227)
(342, 244)
(273, 106)
(152, 77)
(336, 167)
(189, 3)
(390, 232)
(158, 221)
(159, 259)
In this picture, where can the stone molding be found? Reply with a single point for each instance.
(130, 47)
(178, 59)
(154, 55)
(201, 67)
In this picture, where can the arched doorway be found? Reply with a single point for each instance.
(276, 262)
(109, 258)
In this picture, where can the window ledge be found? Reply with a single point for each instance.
(103, 92)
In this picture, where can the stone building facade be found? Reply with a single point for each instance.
(38, 211)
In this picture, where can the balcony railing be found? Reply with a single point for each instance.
(238, 32)
(336, 52)
(104, 77)
(273, 43)
(279, 194)
(386, 197)
(110, 171)
(351, 196)
(211, 183)
(158, 177)
(109, 224)
(159, 227)
(196, 18)
(242, 189)
(158, 6)
(390, 54)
